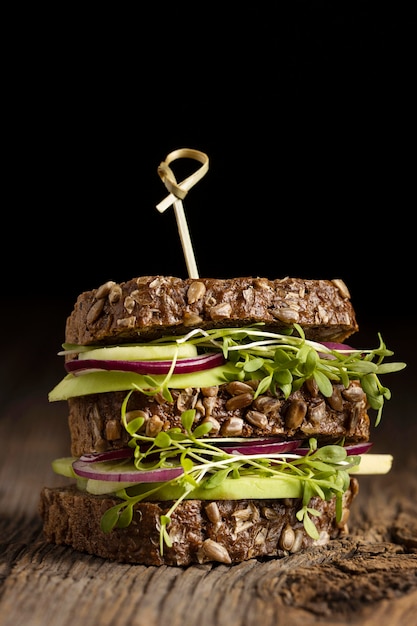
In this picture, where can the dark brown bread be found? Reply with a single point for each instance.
(150, 306)
(225, 531)
(95, 420)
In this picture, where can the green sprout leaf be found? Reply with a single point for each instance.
(164, 535)
(110, 518)
(330, 454)
(187, 419)
(253, 365)
(309, 526)
(125, 517)
(162, 440)
(135, 425)
(323, 383)
(217, 478)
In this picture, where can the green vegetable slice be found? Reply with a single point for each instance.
(102, 382)
(141, 352)
(277, 361)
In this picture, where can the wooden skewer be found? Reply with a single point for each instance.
(177, 192)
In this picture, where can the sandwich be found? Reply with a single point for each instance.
(213, 420)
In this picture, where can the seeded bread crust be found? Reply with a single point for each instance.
(201, 531)
(95, 421)
(148, 307)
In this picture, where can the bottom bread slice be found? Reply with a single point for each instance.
(226, 531)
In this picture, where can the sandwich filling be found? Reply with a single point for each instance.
(228, 413)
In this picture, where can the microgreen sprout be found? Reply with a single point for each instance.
(285, 361)
(279, 363)
(322, 472)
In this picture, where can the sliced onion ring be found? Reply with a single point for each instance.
(338, 347)
(97, 466)
(128, 474)
(352, 449)
(332, 345)
(109, 455)
(182, 366)
(227, 444)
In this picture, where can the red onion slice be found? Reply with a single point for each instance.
(129, 474)
(109, 455)
(182, 366)
(352, 449)
(332, 345)
(99, 466)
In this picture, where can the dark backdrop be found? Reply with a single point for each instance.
(308, 120)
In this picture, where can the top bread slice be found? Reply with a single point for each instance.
(149, 307)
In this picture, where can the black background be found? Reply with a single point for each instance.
(307, 117)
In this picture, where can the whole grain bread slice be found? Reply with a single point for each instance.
(95, 421)
(148, 307)
(229, 531)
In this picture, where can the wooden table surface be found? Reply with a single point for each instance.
(367, 578)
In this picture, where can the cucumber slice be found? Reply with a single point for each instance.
(140, 352)
(373, 464)
(243, 488)
(102, 487)
(102, 382)
(63, 466)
